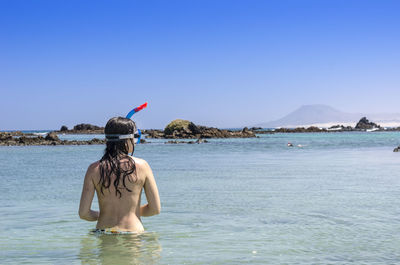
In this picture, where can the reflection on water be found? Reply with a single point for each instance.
(141, 248)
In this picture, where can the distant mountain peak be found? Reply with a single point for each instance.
(313, 114)
(326, 116)
(316, 106)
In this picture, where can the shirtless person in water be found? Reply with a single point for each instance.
(118, 180)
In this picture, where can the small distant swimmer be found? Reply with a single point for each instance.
(291, 145)
(118, 179)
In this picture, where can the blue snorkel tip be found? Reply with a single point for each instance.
(130, 114)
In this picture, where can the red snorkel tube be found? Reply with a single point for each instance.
(137, 109)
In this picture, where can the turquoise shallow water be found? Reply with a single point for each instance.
(230, 201)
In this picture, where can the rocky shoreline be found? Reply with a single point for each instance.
(177, 129)
(21, 139)
(182, 129)
(364, 125)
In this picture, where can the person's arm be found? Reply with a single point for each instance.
(87, 197)
(153, 205)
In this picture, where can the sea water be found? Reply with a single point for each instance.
(332, 198)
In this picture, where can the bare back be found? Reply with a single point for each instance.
(123, 212)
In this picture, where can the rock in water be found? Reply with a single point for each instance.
(365, 124)
(199, 141)
(4, 136)
(184, 129)
(397, 149)
(86, 127)
(181, 127)
(64, 128)
(52, 136)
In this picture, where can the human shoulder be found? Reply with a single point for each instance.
(94, 165)
(93, 169)
(141, 163)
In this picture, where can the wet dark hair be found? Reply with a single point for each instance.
(110, 163)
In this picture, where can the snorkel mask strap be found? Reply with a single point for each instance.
(118, 137)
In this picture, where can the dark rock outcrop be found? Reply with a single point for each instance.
(397, 149)
(83, 128)
(25, 140)
(311, 129)
(152, 133)
(183, 129)
(52, 136)
(8, 139)
(5, 136)
(200, 141)
(86, 127)
(394, 129)
(365, 124)
(15, 133)
(262, 131)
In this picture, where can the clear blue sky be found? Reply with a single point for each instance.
(218, 63)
